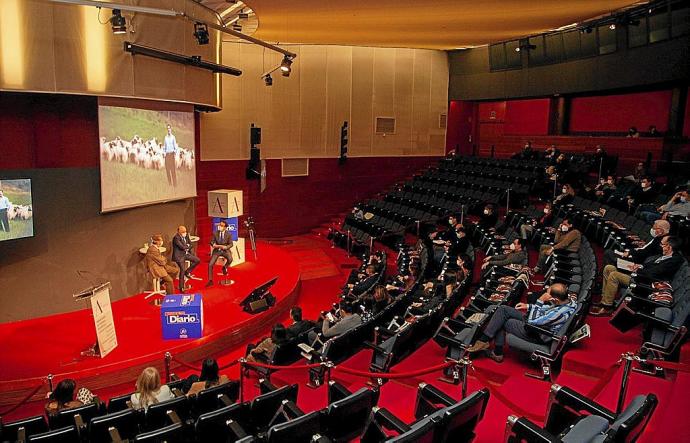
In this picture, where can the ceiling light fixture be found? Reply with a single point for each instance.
(201, 33)
(118, 22)
(612, 26)
(286, 66)
(268, 80)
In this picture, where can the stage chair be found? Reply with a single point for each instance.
(572, 417)
(215, 397)
(549, 352)
(20, 429)
(126, 422)
(68, 434)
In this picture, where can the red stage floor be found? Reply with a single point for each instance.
(32, 349)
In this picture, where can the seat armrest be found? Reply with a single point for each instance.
(524, 430)
(177, 393)
(450, 340)
(225, 400)
(174, 418)
(79, 422)
(114, 435)
(389, 421)
(21, 435)
(540, 330)
(266, 386)
(657, 322)
(291, 409)
(376, 348)
(567, 397)
(635, 299)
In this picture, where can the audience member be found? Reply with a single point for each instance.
(62, 397)
(208, 378)
(381, 299)
(550, 312)
(658, 268)
(526, 229)
(266, 346)
(332, 326)
(363, 284)
(489, 218)
(515, 255)
(149, 389)
(642, 196)
(299, 325)
(633, 132)
(677, 205)
(566, 239)
(566, 196)
(659, 230)
(605, 187)
(653, 132)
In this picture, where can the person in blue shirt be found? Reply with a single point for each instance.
(170, 149)
(5, 206)
(550, 312)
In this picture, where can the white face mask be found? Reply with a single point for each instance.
(450, 222)
(645, 185)
(486, 212)
(564, 228)
(512, 246)
(546, 210)
(652, 232)
(565, 190)
(683, 199)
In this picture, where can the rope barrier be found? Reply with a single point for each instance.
(505, 400)
(275, 367)
(23, 401)
(681, 367)
(394, 375)
(198, 369)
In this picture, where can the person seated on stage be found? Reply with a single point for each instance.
(182, 252)
(516, 255)
(333, 326)
(657, 268)
(363, 284)
(266, 346)
(659, 230)
(158, 265)
(62, 397)
(221, 245)
(208, 378)
(299, 325)
(544, 221)
(567, 239)
(488, 219)
(642, 197)
(566, 196)
(550, 312)
(677, 205)
(150, 390)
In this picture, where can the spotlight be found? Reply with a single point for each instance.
(118, 22)
(201, 33)
(517, 49)
(612, 26)
(268, 80)
(286, 66)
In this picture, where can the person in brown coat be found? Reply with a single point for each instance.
(158, 265)
(567, 239)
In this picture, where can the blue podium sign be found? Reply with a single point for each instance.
(233, 226)
(182, 316)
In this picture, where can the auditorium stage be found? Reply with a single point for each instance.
(32, 349)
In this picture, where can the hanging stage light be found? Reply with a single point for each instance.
(201, 33)
(286, 66)
(118, 22)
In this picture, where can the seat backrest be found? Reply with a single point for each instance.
(630, 423)
(460, 420)
(263, 407)
(31, 425)
(213, 426)
(345, 419)
(126, 422)
(118, 403)
(157, 414)
(297, 430)
(421, 432)
(209, 399)
(168, 434)
(67, 434)
(66, 416)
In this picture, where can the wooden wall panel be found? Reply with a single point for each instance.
(339, 90)
(362, 114)
(313, 101)
(421, 102)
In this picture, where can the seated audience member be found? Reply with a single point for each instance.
(208, 378)
(381, 299)
(158, 265)
(642, 197)
(562, 164)
(489, 218)
(515, 255)
(658, 268)
(182, 252)
(278, 337)
(566, 239)
(605, 188)
(426, 298)
(403, 281)
(653, 132)
(460, 242)
(600, 157)
(639, 172)
(464, 268)
(525, 154)
(348, 320)
(149, 389)
(299, 325)
(441, 235)
(677, 205)
(566, 196)
(550, 312)
(633, 132)
(364, 283)
(62, 397)
(551, 154)
(544, 221)
(659, 230)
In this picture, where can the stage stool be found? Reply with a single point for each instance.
(226, 281)
(156, 289)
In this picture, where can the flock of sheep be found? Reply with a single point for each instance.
(148, 154)
(20, 212)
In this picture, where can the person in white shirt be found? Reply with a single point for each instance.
(170, 149)
(149, 390)
(5, 206)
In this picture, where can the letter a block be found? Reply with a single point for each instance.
(225, 203)
(182, 316)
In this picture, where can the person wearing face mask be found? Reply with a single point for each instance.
(677, 205)
(642, 196)
(220, 247)
(488, 219)
(659, 229)
(566, 196)
(182, 252)
(459, 243)
(656, 268)
(158, 265)
(545, 220)
(567, 239)
(515, 255)
(605, 188)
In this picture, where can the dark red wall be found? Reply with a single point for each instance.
(617, 113)
(460, 133)
(527, 117)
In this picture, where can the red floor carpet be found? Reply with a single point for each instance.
(582, 367)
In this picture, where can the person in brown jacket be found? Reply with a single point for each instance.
(567, 239)
(158, 265)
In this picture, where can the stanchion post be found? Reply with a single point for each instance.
(601, 164)
(508, 201)
(555, 184)
(327, 372)
(242, 364)
(462, 214)
(347, 243)
(417, 221)
(465, 363)
(628, 357)
(166, 362)
(50, 382)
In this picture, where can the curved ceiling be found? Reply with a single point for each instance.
(435, 24)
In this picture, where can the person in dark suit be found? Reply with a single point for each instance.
(660, 228)
(363, 284)
(182, 252)
(220, 244)
(489, 218)
(299, 325)
(158, 265)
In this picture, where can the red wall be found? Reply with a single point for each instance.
(460, 132)
(617, 113)
(527, 117)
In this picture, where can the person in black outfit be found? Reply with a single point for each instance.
(298, 326)
(642, 196)
(221, 244)
(488, 219)
(363, 284)
(660, 228)
(182, 252)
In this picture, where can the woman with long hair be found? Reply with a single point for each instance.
(208, 378)
(149, 389)
(62, 397)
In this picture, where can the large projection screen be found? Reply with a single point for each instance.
(146, 156)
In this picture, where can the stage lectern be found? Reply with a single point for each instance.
(99, 297)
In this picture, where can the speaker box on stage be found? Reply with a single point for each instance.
(260, 299)
(254, 135)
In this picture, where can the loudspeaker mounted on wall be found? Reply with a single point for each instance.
(344, 138)
(253, 167)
